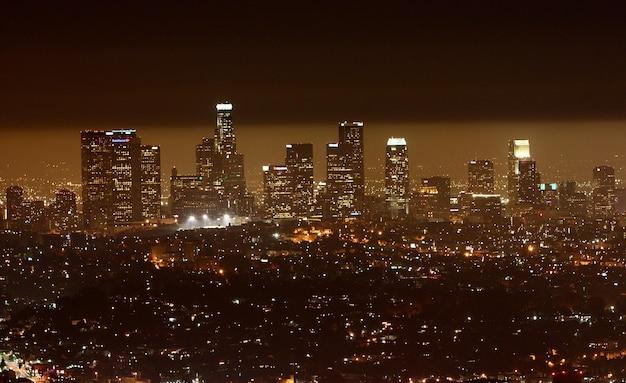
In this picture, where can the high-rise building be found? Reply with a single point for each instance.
(572, 201)
(113, 190)
(299, 162)
(64, 212)
(188, 197)
(433, 200)
(96, 178)
(339, 182)
(480, 177)
(278, 189)
(230, 181)
(15, 207)
(518, 150)
(528, 181)
(603, 195)
(206, 160)
(125, 174)
(151, 181)
(345, 172)
(397, 177)
(351, 139)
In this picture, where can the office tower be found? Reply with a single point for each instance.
(188, 197)
(480, 177)
(151, 181)
(351, 140)
(96, 180)
(16, 216)
(397, 177)
(345, 172)
(433, 200)
(528, 182)
(603, 195)
(125, 176)
(230, 180)
(277, 188)
(339, 182)
(206, 160)
(64, 212)
(111, 168)
(518, 150)
(572, 201)
(299, 162)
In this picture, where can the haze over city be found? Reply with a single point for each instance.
(457, 80)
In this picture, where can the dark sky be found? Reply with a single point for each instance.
(166, 62)
(294, 69)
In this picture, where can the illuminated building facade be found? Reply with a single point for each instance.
(188, 197)
(112, 166)
(480, 177)
(345, 172)
(125, 175)
(96, 178)
(351, 140)
(230, 181)
(571, 201)
(15, 207)
(433, 200)
(278, 188)
(603, 195)
(64, 212)
(528, 180)
(518, 150)
(299, 162)
(397, 177)
(151, 181)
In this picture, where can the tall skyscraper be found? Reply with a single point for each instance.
(397, 177)
(64, 212)
(603, 195)
(206, 160)
(345, 172)
(96, 178)
(351, 139)
(299, 161)
(528, 181)
(518, 150)
(125, 176)
(113, 191)
(230, 179)
(480, 177)
(278, 189)
(151, 181)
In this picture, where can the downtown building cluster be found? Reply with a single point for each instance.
(122, 187)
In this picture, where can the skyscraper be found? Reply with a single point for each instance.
(603, 195)
(345, 171)
(480, 177)
(518, 150)
(528, 182)
(351, 139)
(64, 212)
(15, 207)
(151, 181)
(112, 163)
(230, 180)
(397, 177)
(96, 178)
(278, 189)
(299, 161)
(125, 176)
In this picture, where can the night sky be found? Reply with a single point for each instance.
(455, 78)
